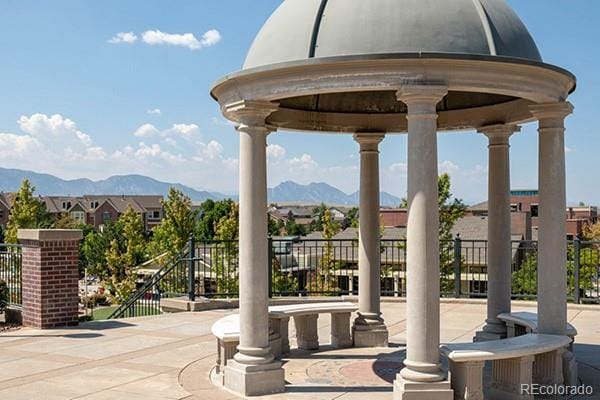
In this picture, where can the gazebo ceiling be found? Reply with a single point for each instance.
(384, 102)
(336, 65)
(305, 29)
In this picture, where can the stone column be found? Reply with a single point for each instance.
(499, 252)
(423, 376)
(50, 275)
(552, 236)
(253, 370)
(369, 329)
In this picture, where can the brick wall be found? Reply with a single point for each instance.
(50, 277)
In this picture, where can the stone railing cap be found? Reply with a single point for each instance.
(49, 234)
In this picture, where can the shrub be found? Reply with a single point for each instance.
(3, 295)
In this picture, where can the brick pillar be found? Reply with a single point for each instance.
(50, 277)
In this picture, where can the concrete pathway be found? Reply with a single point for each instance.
(170, 356)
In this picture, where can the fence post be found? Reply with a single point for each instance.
(270, 266)
(576, 268)
(192, 269)
(457, 259)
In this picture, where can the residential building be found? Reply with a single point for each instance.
(527, 201)
(95, 210)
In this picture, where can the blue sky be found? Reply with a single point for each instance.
(76, 105)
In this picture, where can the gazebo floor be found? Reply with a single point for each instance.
(170, 357)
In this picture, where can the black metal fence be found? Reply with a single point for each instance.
(330, 267)
(11, 272)
(300, 267)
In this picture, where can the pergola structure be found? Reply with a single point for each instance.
(378, 67)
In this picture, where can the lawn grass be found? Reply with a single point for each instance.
(140, 311)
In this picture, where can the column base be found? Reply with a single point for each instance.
(491, 331)
(483, 336)
(370, 335)
(254, 380)
(408, 390)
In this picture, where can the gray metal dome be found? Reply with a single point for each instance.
(304, 29)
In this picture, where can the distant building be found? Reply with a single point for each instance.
(95, 210)
(527, 202)
(304, 214)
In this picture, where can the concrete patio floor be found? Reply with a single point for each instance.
(170, 356)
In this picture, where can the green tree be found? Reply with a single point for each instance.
(225, 254)
(64, 221)
(176, 227)
(318, 214)
(292, 228)
(96, 245)
(3, 295)
(450, 211)
(274, 229)
(524, 280)
(1, 234)
(591, 232)
(324, 279)
(351, 219)
(123, 256)
(26, 212)
(210, 213)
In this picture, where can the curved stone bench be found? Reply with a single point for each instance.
(305, 318)
(227, 332)
(512, 365)
(227, 329)
(522, 322)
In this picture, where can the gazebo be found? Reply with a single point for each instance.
(379, 67)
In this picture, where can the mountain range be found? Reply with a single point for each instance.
(288, 192)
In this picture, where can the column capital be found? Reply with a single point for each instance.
(369, 141)
(552, 111)
(250, 112)
(499, 134)
(421, 93)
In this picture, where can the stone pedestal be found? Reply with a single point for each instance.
(340, 330)
(409, 390)
(307, 333)
(50, 277)
(254, 380)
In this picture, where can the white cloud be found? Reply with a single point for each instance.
(569, 149)
(401, 168)
(213, 150)
(16, 146)
(124, 37)
(275, 152)
(447, 166)
(51, 130)
(210, 38)
(187, 131)
(154, 111)
(146, 130)
(156, 37)
(305, 161)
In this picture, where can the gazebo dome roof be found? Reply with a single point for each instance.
(305, 29)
